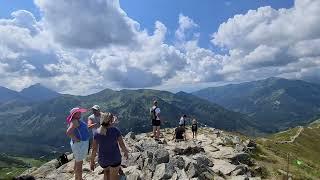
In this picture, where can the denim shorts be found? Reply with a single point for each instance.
(80, 150)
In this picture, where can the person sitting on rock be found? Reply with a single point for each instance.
(194, 128)
(106, 141)
(180, 133)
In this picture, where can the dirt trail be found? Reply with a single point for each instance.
(293, 138)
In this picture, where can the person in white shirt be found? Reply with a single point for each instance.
(156, 121)
(182, 121)
(94, 122)
(94, 118)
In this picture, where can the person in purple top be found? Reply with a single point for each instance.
(106, 140)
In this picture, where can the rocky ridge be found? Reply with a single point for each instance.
(213, 155)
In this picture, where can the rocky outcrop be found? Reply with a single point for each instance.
(213, 155)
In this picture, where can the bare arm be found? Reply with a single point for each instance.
(70, 132)
(93, 154)
(91, 123)
(123, 146)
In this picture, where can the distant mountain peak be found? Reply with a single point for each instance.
(38, 92)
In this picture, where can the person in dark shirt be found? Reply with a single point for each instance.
(180, 133)
(106, 140)
(194, 128)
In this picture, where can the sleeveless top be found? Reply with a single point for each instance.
(82, 132)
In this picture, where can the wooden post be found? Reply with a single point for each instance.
(288, 158)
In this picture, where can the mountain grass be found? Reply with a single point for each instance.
(306, 148)
(11, 166)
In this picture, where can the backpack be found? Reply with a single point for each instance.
(63, 159)
(153, 113)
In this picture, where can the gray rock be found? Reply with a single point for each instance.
(223, 167)
(163, 171)
(243, 158)
(203, 160)
(181, 174)
(161, 156)
(192, 170)
(236, 140)
(206, 176)
(240, 170)
(178, 162)
(132, 173)
(130, 135)
(188, 151)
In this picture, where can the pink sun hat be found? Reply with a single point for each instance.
(73, 111)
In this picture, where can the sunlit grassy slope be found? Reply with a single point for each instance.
(304, 152)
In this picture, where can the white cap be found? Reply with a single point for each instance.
(96, 107)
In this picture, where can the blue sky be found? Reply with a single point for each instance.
(164, 44)
(208, 14)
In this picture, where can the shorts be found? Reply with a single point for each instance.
(80, 150)
(156, 122)
(110, 165)
(194, 129)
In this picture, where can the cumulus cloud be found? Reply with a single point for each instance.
(87, 24)
(186, 25)
(95, 45)
(271, 39)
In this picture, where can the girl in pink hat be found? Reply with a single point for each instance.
(79, 134)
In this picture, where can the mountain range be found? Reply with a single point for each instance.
(275, 104)
(34, 93)
(39, 128)
(33, 123)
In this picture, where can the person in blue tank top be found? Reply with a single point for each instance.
(79, 134)
(106, 141)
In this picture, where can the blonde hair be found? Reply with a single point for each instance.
(105, 121)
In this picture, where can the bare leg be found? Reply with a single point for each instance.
(106, 174)
(114, 173)
(154, 131)
(78, 170)
(158, 132)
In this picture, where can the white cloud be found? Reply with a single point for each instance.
(108, 49)
(87, 24)
(270, 39)
(185, 24)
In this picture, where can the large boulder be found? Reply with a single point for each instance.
(178, 162)
(161, 156)
(223, 167)
(163, 171)
(203, 160)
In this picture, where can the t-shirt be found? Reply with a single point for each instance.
(108, 152)
(179, 132)
(95, 119)
(194, 127)
(157, 111)
(182, 121)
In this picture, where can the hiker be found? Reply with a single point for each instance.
(106, 140)
(79, 134)
(94, 118)
(180, 134)
(94, 122)
(183, 120)
(194, 128)
(156, 121)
